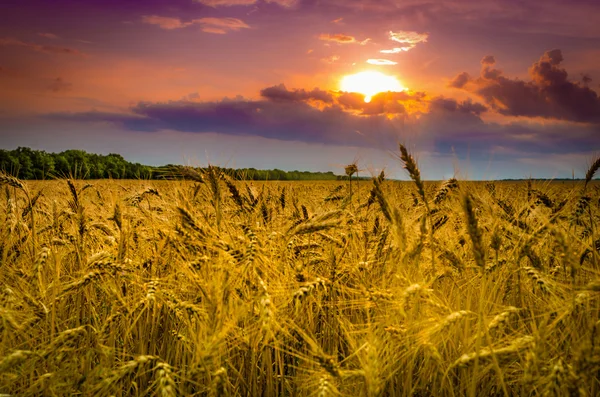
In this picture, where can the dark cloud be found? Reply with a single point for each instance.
(289, 115)
(452, 105)
(549, 94)
(456, 127)
(515, 140)
(281, 93)
(488, 60)
(283, 120)
(460, 80)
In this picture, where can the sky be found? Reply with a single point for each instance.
(488, 89)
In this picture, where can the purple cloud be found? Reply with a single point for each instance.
(290, 115)
(281, 93)
(283, 120)
(549, 94)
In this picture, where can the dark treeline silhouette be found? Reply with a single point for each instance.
(26, 163)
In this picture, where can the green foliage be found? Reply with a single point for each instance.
(25, 163)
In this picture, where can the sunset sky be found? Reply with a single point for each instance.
(492, 89)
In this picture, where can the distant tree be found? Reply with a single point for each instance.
(26, 170)
(61, 165)
(38, 164)
(9, 163)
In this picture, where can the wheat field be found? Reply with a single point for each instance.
(214, 287)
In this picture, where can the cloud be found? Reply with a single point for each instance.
(383, 62)
(281, 93)
(212, 29)
(209, 25)
(513, 140)
(338, 38)
(166, 23)
(282, 120)
(488, 60)
(59, 85)
(452, 105)
(383, 103)
(283, 3)
(395, 50)
(48, 35)
(229, 3)
(48, 49)
(344, 119)
(314, 116)
(221, 25)
(549, 93)
(460, 80)
(407, 39)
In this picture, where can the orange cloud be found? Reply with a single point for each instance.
(338, 38)
(229, 3)
(209, 25)
(221, 25)
(226, 3)
(166, 23)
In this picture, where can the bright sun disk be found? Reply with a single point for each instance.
(370, 83)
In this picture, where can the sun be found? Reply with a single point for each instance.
(370, 83)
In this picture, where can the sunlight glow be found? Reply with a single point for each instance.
(370, 83)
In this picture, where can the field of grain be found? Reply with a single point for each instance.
(215, 287)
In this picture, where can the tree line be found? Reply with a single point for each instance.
(26, 163)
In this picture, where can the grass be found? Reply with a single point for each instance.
(215, 287)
